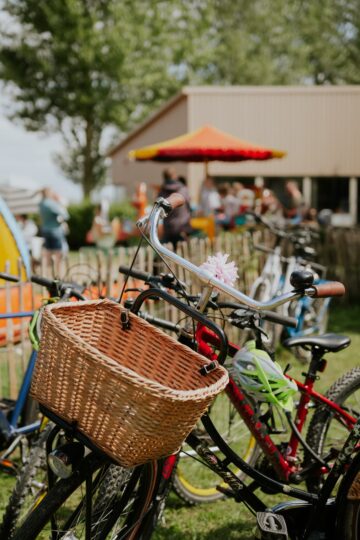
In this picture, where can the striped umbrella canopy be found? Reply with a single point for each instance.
(20, 200)
(205, 144)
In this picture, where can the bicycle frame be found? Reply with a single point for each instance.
(9, 426)
(275, 282)
(284, 466)
(270, 277)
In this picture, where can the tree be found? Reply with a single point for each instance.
(80, 66)
(287, 41)
(329, 34)
(257, 42)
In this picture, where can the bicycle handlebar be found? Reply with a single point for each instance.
(270, 316)
(9, 277)
(59, 288)
(266, 315)
(163, 207)
(137, 274)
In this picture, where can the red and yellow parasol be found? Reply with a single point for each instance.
(205, 144)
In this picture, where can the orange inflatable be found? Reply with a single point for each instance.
(11, 302)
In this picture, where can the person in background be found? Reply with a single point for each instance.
(209, 198)
(294, 202)
(177, 225)
(104, 233)
(28, 228)
(53, 215)
(245, 196)
(229, 205)
(183, 180)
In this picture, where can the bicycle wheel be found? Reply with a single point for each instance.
(63, 510)
(326, 430)
(30, 487)
(193, 481)
(348, 503)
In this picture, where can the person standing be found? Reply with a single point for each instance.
(177, 225)
(229, 204)
(294, 202)
(53, 215)
(210, 201)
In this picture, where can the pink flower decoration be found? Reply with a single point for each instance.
(217, 266)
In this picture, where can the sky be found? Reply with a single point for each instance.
(26, 160)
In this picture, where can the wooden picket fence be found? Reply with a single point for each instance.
(98, 271)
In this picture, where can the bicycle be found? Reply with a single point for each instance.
(13, 432)
(274, 523)
(60, 491)
(19, 418)
(312, 314)
(194, 484)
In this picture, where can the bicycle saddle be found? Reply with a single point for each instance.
(327, 342)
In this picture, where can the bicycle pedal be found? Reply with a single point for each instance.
(271, 526)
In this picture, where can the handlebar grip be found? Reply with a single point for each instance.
(137, 274)
(176, 200)
(279, 319)
(74, 293)
(9, 277)
(42, 281)
(331, 288)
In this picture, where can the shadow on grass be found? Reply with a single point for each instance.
(228, 532)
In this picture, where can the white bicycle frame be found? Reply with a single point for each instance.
(270, 276)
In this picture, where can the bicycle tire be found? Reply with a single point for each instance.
(24, 485)
(318, 434)
(348, 503)
(64, 489)
(196, 484)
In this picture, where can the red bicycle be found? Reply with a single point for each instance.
(247, 426)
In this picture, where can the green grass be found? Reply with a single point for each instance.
(226, 519)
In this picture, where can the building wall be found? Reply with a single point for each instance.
(130, 173)
(318, 127)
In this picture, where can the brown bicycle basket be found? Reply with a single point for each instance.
(135, 392)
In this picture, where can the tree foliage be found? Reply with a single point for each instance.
(330, 39)
(79, 66)
(287, 41)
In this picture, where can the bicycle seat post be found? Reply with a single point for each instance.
(317, 363)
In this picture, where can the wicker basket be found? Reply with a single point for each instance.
(136, 393)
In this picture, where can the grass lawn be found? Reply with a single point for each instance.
(226, 520)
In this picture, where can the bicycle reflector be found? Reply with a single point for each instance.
(63, 460)
(260, 376)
